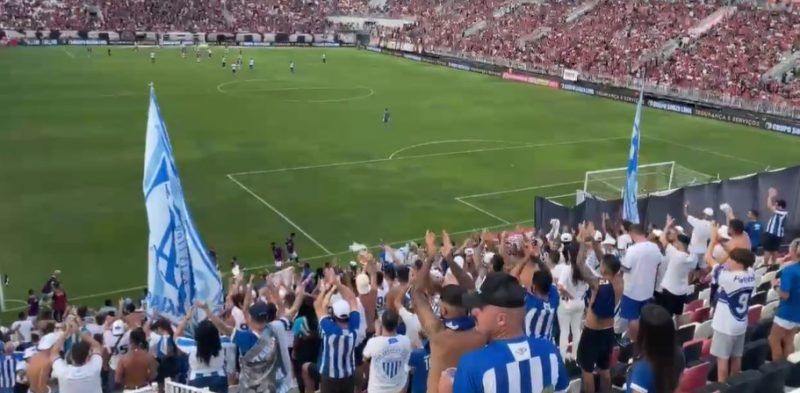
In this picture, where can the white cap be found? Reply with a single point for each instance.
(723, 232)
(362, 284)
(680, 229)
(47, 341)
(725, 207)
(708, 211)
(341, 309)
(598, 236)
(30, 351)
(658, 232)
(566, 237)
(459, 260)
(609, 241)
(487, 258)
(235, 271)
(469, 251)
(118, 327)
(436, 275)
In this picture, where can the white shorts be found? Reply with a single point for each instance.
(293, 255)
(278, 263)
(788, 325)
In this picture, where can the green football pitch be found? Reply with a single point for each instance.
(265, 153)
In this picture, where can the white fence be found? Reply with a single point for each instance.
(170, 387)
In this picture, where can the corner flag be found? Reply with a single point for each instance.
(180, 270)
(630, 211)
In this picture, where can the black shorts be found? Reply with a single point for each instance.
(594, 349)
(770, 242)
(673, 303)
(337, 385)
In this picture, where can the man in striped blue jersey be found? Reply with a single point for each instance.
(773, 234)
(541, 305)
(339, 329)
(8, 366)
(512, 361)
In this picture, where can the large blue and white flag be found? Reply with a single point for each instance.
(630, 211)
(180, 270)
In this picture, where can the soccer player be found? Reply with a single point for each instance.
(541, 305)
(386, 116)
(597, 340)
(291, 66)
(152, 57)
(787, 317)
(640, 268)
(224, 61)
(89, 51)
(234, 66)
(775, 226)
(109, 52)
(512, 361)
(736, 281)
(290, 247)
(324, 59)
(277, 253)
(239, 58)
(135, 46)
(209, 53)
(252, 64)
(386, 357)
(197, 56)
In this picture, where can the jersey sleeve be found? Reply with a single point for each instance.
(787, 280)
(370, 348)
(186, 345)
(354, 322)
(562, 383)
(692, 221)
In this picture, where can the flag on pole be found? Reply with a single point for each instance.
(180, 271)
(630, 211)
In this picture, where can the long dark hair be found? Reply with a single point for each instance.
(656, 342)
(208, 344)
(307, 310)
(164, 324)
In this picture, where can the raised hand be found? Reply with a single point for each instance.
(447, 245)
(430, 243)
(772, 192)
(670, 221)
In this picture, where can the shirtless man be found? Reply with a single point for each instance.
(40, 366)
(597, 340)
(138, 367)
(454, 334)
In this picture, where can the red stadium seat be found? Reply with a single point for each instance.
(692, 306)
(694, 378)
(701, 314)
(754, 315)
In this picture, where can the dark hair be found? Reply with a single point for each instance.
(107, 302)
(542, 280)
(497, 263)
(743, 257)
(612, 263)
(21, 315)
(390, 272)
(100, 319)
(289, 298)
(754, 212)
(781, 203)
(272, 312)
(626, 225)
(307, 310)
(208, 344)
(417, 264)
(30, 292)
(636, 229)
(403, 273)
(390, 320)
(577, 275)
(656, 343)
(737, 226)
(82, 311)
(129, 308)
(138, 338)
(164, 324)
(379, 278)
(79, 352)
(237, 300)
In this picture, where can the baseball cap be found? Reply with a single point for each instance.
(341, 309)
(47, 341)
(609, 241)
(680, 229)
(499, 289)
(566, 237)
(118, 327)
(469, 251)
(598, 236)
(708, 211)
(259, 311)
(362, 284)
(723, 232)
(487, 258)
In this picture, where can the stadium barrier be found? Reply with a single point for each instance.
(776, 123)
(742, 193)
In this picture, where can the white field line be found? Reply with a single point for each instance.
(486, 212)
(285, 218)
(761, 164)
(16, 301)
(70, 54)
(391, 156)
(561, 196)
(442, 154)
(520, 189)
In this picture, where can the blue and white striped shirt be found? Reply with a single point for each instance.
(8, 369)
(338, 345)
(540, 315)
(523, 365)
(777, 223)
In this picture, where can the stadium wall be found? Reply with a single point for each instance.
(781, 124)
(742, 193)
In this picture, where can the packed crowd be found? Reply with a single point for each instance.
(648, 309)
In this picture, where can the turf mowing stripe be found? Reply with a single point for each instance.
(285, 218)
(486, 212)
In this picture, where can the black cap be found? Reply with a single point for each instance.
(499, 289)
(259, 311)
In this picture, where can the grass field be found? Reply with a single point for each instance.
(266, 153)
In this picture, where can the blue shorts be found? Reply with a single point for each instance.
(629, 309)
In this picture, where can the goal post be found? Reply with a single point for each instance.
(609, 184)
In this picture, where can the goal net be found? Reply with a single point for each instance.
(608, 184)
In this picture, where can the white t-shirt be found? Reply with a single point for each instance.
(412, 327)
(23, 329)
(388, 369)
(661, 272)
(577, 291)
(679, 264)
(238, 317)
(557, 270)
(624, 241)
(641, 265)
(216, 364)
(701, 232)
(117, 346)
(80, 379)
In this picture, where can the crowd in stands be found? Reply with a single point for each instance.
(647, 309)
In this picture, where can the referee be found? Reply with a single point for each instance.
(512, 361)
(773, 235)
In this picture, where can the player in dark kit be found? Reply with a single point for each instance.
(277, 253)
(386, 117)
(109, 51)
(290, 248)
